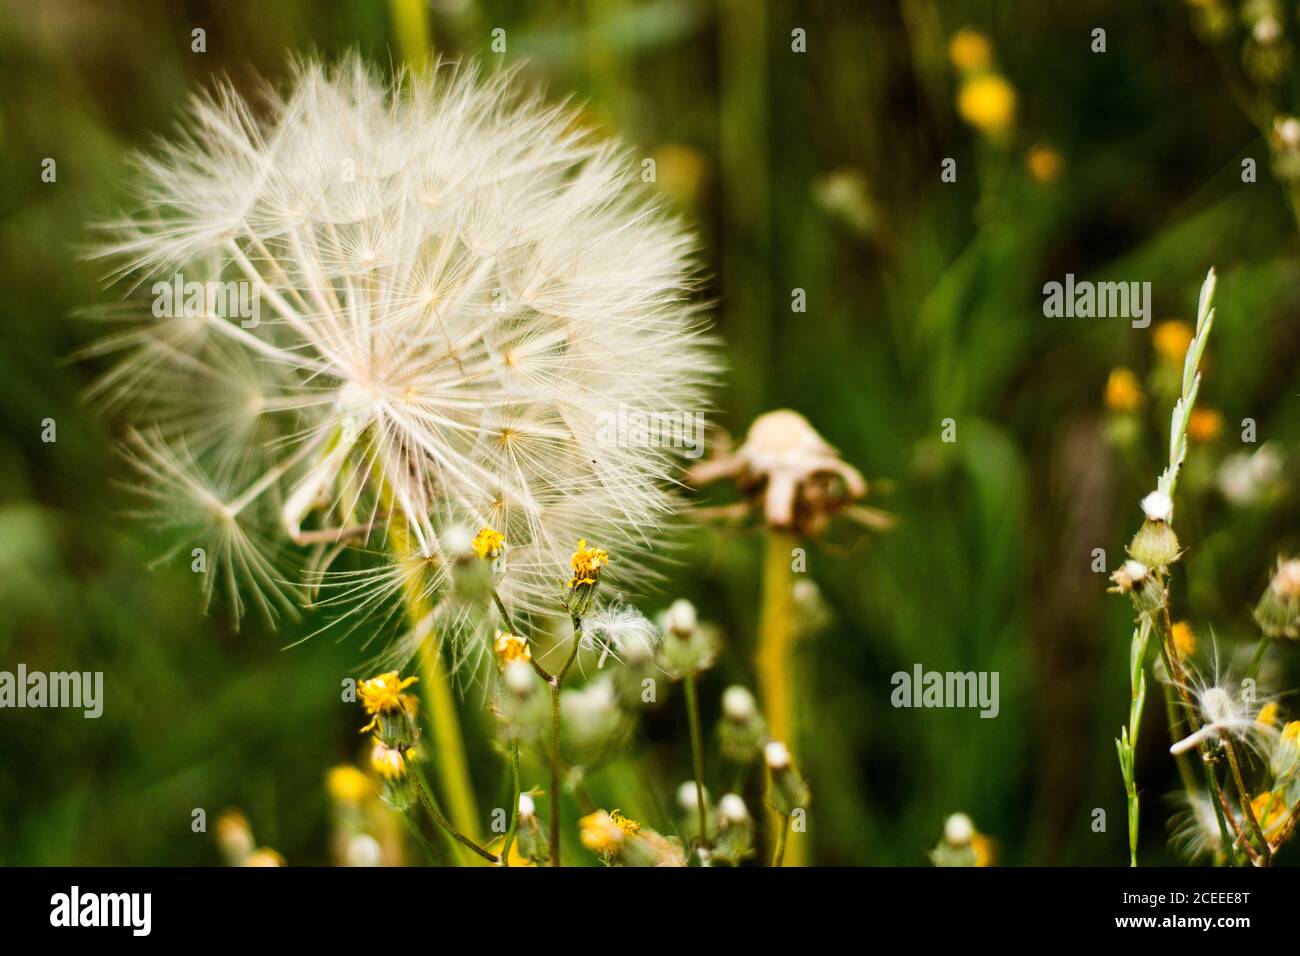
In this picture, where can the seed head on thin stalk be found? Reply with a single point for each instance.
(455, 284)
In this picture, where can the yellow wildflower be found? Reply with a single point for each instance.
(347, 784)
(1123, 393)
(1184, 639)
(263, 857)
(604, 832)
(383, 695)
(1270, 810)
(1267, 716)
(1204, 425)
(587, 563)
(970, 50)
(488, 543)
(510, 648)
(987, 102)
(1171, 340)
(1291, 732)
(1044, 163)
(984, 849)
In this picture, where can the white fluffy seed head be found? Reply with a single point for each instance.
(738, 703)
(1158, 506)
(458, 288)
(958, 830)
(686, 795)
(732, 809)
(681, 618)
(776, 755)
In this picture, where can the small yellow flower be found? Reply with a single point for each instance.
(347, 784)
(389, 763)
(1204, 425)
(488, 544)
(604, 832)
(587, 563)
(987, 102)
(1184, 639)
(516, 858)
(1267, 716)
(1123, 393)
(264, 856)
(970, 50)
(1171, 340)
(234, 835)
(1270, 810)
(1291, 732)
(984, 849)
(1045, 163)
(510, 648)
(383, 695)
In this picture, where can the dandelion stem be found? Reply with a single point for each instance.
(774, 659)
(697, 755)
(1243, 794)
(783, 826)
(453, 767)
(514, 801)
(1220, 803)
(556, 682)
(423, 840)
(422, 790)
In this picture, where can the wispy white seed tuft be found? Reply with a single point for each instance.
(457, 288)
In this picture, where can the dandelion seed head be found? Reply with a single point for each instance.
(456, 284)
(621, 631)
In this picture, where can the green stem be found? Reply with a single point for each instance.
(1224, 834)
(422, 790)
(556, 682)
(514, 804)
(1247, 810)
(697, 756)
(778, 856)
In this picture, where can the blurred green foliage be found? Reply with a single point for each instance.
(818, 171)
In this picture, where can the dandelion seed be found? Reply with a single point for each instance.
(1223, 716)
(623, 632)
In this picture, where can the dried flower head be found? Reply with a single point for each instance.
(448, 284)
(1278, 610)
(790, 474)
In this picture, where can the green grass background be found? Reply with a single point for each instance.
(924, 303)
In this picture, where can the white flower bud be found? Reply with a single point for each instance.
(363, 850)
(738, 704)
(681, 618)
(777, 755)
(732, 809)
(526, 807)
(1158, 506)
(958, 830)
(686, 796)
